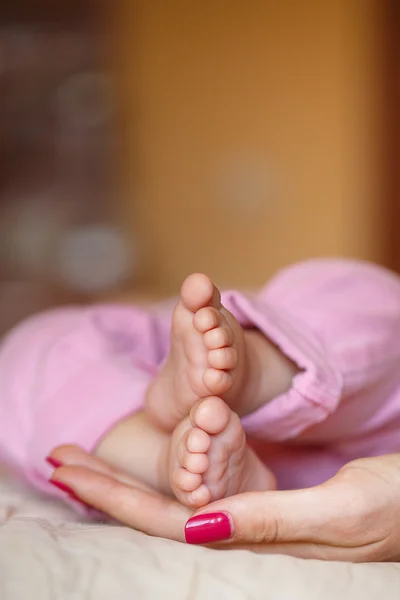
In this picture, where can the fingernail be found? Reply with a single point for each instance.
(69, 491)
(54, 462)
(211, 527)
(63, 487)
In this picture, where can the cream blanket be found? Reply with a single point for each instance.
(47, 553)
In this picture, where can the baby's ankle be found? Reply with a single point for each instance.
(270, 372)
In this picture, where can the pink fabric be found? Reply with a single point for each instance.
(68, 376)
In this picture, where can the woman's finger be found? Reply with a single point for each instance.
(326, 514)
(138, 508)
(69, 455)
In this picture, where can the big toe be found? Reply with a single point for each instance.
(199, 291)
(211, 415)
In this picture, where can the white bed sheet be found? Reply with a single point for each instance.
(48, 553)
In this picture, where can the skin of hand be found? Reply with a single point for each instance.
(120, 496)
(355, 516)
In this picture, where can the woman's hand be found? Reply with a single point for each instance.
(118, 495)
(355, 516)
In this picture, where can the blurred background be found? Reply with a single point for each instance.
(141, 141)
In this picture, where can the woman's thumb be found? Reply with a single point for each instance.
(264, 518)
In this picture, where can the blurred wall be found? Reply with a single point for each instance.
(252, 134)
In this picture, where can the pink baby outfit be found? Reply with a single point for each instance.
(70, 375)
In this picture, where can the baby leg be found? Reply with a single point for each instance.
(138, 448)
(65, 380)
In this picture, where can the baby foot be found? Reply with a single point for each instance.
(208, 356)
(209, 458)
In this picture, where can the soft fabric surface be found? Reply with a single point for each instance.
(48, 553)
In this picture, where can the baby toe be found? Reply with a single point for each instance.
(185, 480)
(222, 358)
(211, 415)
(196, 463)
(219, 337)
(197, 440)
(217, 381)
(207, 318)
(198, 290)
(199, 497)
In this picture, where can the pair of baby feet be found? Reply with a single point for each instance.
(212, 367)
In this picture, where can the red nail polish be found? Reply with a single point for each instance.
(207, 528)
(63, 487)
(69, 491)
(54, 462)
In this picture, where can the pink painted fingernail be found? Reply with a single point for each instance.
(207, 528)
(69, 491)
(63, 487)
(54, 462)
